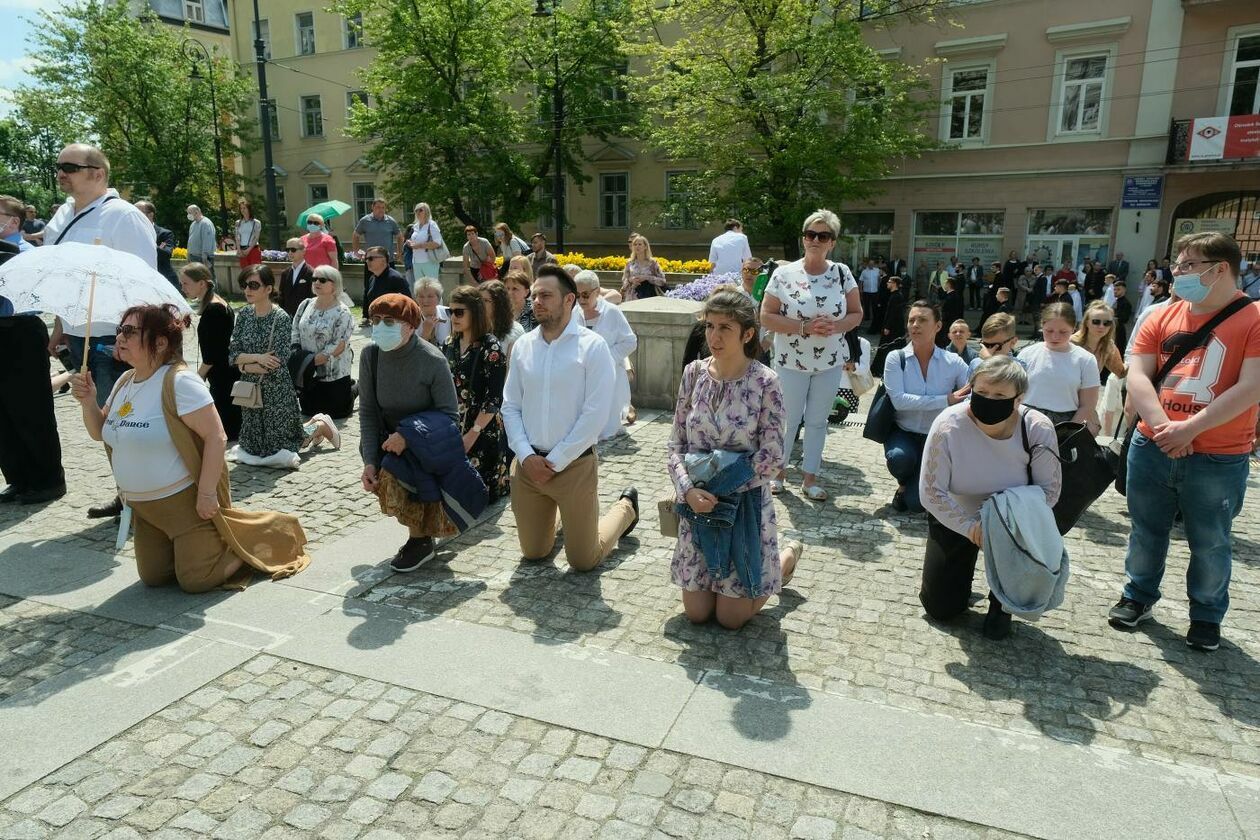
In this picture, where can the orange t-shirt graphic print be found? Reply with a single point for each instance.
(1205, 373)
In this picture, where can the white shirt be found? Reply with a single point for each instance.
(146, 463)
(427, 232)
(118, 224)
(870, 280)
(611, 325)
(247, 231)
(804, 296)
(557, 395)
(1109, 295)
(1055, 378)
(728, 251)
(1078, 305)
(863, 361)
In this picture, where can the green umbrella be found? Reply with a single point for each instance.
(325, 209)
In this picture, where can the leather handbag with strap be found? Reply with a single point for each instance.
(882, 416)
(441, 253)
(248, 394)
(1197, 340)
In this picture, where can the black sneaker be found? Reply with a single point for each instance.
(414, 553)
(1127, 614)
(898, 502)
(997, 624)
(1204, 635)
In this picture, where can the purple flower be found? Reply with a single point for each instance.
(275, 256)
(700, 289)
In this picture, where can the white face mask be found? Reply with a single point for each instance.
(190, 217)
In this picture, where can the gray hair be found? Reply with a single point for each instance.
(828, 218)
(428, 283)
(1000, 370)
(571, 269)
(327, 272)
(586, 279)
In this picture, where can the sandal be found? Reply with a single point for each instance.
(776, 486)
(814, 492)
(797, 548)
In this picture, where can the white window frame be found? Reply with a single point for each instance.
(1061, 59)
(355, 200)
(265, 25)
(947, 101)
(311, 200)
(195, 11)
(1232, 36)
(352, 29)
(683, 225)
(274, 110)
(302, 112)
(606, 194)
(297, 34)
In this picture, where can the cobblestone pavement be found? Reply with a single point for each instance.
(280, 750)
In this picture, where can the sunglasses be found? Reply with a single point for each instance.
(820, 235)
(321, 280)
(294, 250)
(458, 311)
(253, 285)
(127, 331)
(377, 320)
(1099, 322)
(994, 345)
(71, 168)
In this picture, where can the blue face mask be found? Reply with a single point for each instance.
(313, 228)
(386, 337)
(1190, 287)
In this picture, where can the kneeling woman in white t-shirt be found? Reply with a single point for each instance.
(1063, 380)
(170, 470)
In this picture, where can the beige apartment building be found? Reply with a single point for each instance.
(1066, 131)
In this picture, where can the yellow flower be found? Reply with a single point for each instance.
(179, 254)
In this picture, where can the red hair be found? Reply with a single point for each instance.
(164, 321)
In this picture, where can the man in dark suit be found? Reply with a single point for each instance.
(897, 268)
(974, 280)
(952, 308)
(1012, 268)
(295, 281)
(381, 279)
(1119, 267)
(165, 244)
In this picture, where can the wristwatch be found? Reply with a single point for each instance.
(478, 429)
(804, 324)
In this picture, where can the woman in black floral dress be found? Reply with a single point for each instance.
(479, 368)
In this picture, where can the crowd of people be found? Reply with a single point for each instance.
(502, 386)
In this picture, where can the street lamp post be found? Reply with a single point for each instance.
(196, 51)
(269, 169)
(557, 119)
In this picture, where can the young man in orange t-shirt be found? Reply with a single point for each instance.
(1191, 451)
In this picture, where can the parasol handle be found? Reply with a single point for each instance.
(87, 333)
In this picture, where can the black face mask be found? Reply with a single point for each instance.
(990, 411)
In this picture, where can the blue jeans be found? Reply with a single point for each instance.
(104, 368)
(808, 396)
(1209, 491)
(904, 453)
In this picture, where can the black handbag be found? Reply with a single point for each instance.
(882, 416)
(1188, 346)
(1086, 471)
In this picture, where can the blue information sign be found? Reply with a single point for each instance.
(1142, 192)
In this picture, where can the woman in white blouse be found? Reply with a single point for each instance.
(610, 324)
(1063, 380)
(323, 326)
(426, 240)
(809, 305)
(248, 231)
(975, 449)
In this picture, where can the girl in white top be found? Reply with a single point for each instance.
(1063, 381)
(248, 230)
(426, 239)
(809, 305)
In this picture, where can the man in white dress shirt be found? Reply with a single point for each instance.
(556, 400)
(728, 251)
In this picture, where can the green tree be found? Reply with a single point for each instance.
(126, 83)
(780, 102)
(461, 98)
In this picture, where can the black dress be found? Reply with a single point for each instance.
(479, 373)
(214, 331)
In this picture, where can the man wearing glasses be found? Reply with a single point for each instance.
(1191, 450)
(94, 213)
(381, 278)
(296, 280)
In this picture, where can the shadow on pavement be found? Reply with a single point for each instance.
(564, 605)
(1227, 677)
(434, 582)
(1064, 695)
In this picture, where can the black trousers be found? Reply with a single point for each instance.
(335, 398)
(30, 450)
(949, 565)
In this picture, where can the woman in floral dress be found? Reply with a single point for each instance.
(732, 402)
(260, 348)
(479, 368)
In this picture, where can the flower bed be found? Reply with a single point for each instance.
(619, 263)
(702, 287)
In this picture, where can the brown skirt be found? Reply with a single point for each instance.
(425, 519)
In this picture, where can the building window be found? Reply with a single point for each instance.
(352, 28)
(306, 33)
(194, 11)
(939, 235)
(312, 116)
(1244, 76)
(614, 200)
(1080, 101)
(262, 29)
(1071, 235)
(678, 201)
(272, 113)
(363, 196)
(282, 207)
(968, 96)
(615, 89)
(315, 193)
(355, 96)
(546, 197)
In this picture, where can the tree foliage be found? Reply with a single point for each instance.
(30, 139)
(125, 83)
(781, 102)
(461, 98)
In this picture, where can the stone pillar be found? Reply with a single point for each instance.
(663, 326)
